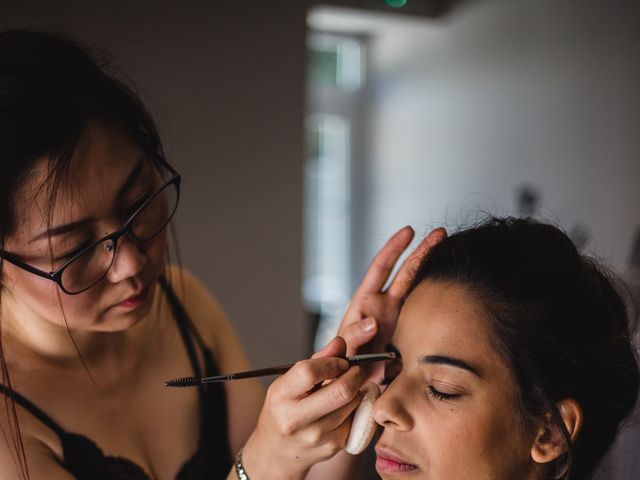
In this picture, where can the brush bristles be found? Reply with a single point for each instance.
(183, 382)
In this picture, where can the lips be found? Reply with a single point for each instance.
(135, 300)
(390, 462)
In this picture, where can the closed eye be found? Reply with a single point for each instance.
(441, 395)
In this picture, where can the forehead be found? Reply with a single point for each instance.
(100, 163)
(104, 155)
(442, 318)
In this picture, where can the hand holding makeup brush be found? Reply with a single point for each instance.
(301, 425)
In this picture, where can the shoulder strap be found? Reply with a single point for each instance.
(31, 408)
(186, 327)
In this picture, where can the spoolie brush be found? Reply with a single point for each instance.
(195, 381)
(183, 382)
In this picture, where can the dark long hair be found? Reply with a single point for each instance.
(51, 88)
(558, 322)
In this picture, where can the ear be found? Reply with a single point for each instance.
(550, 442)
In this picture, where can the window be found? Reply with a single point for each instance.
(335, 79)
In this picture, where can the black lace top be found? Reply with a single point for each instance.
(84, 459)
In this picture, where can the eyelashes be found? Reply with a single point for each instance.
(438, 395)
(431, 391)
(393, 368)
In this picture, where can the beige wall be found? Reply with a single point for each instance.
(225, 81)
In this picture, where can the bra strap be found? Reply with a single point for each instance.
(187, 331)
(31, 408)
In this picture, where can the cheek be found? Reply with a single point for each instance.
(156, 248)
(457, 430)
(501, 448)
(42, 296)
(466, 442)
(23, 284)
(79, 310)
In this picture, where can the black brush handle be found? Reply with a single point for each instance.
(263, 372)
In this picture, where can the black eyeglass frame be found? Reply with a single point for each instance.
(56, 276)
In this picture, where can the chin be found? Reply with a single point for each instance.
(118, 323)
(120, 318)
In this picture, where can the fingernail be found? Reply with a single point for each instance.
(368, 325)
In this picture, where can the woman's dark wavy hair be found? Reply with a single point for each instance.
(558, 322)
(51, 88)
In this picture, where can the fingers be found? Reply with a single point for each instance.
(404, 278)
(359, 333)
(330, 432)
(334, 401)
(305, 375)
(297, 429)
(386, 258)
(332, 396)
(338, 417)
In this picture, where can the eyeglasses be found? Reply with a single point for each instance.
(88, 266)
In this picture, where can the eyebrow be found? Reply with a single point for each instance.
(449, 361)
(131, 178)
(59, 230)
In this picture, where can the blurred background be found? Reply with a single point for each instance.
(308, 131)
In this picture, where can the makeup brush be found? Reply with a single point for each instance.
(195, 381)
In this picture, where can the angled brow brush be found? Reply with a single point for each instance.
(194, 381)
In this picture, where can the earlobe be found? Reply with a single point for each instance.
(550, 441)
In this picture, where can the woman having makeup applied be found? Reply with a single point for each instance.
(93, 320)
(517, 361)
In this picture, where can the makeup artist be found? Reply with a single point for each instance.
(93, 320)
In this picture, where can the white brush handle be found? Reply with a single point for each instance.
(363, 426)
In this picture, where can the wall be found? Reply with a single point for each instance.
(501, 93)
(225, 81)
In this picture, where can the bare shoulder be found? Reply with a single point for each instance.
(37, 445)
(202, 307)
(244, 399)
(205, 312)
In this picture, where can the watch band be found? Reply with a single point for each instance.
(240, 471)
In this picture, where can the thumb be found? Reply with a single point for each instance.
(359, 333)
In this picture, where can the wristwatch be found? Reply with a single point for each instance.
(240, 471)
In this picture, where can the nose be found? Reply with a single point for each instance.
(130, 259)
(390, 408)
